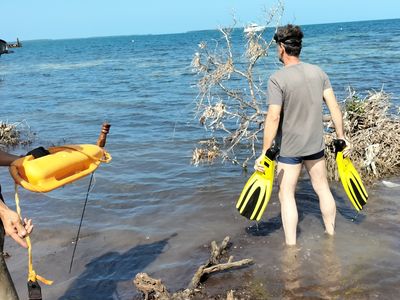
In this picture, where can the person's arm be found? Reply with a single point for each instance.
(337, 118)
(6, 158)
(13, 226)
(336, 113)
(271, 125)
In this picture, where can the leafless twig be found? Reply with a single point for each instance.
(231, 102)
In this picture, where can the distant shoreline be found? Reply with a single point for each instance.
(190, 31)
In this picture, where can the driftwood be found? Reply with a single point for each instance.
(150, 287)
(155, 289)
(229, 296)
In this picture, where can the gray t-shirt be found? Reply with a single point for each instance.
(299, 90)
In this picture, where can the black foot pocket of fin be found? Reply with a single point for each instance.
(34, 290)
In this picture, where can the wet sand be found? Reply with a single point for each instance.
(360, 262)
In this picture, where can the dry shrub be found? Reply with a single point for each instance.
(207, 152)
(231, 99)
(374, 133)
(255, 48)
(15, 134)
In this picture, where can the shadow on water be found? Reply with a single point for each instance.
(102, 274)
(270, 226)
(346, 211)
(307, 204)
(265, 228)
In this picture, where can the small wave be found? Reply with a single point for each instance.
(68, 66)
(390, 184)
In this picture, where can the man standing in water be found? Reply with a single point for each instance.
(10, 224)
(294, 120)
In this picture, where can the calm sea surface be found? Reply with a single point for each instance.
(150, 210)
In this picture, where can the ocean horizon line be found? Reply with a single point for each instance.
(188, 31)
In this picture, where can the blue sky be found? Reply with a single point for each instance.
(59, 19)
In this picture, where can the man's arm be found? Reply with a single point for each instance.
(271, 125)
(335, 111)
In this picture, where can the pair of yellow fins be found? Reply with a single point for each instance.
(257, 191)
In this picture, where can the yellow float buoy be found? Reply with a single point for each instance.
(59, 166)
(63, 165)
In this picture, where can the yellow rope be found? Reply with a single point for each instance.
(32, 276)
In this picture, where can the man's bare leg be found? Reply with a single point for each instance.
(317, 170)
(287, 179)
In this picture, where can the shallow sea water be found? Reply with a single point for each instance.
(150, 210)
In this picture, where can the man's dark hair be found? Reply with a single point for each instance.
(290, 36)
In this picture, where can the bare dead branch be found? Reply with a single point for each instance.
(155, 289)
(222, 108)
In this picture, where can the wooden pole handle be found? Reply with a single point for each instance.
(103, 134)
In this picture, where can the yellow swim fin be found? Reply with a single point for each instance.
(257, 191)
(349, 177)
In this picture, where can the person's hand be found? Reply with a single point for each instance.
(257, 164)
(347, 150)
(15, 228)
